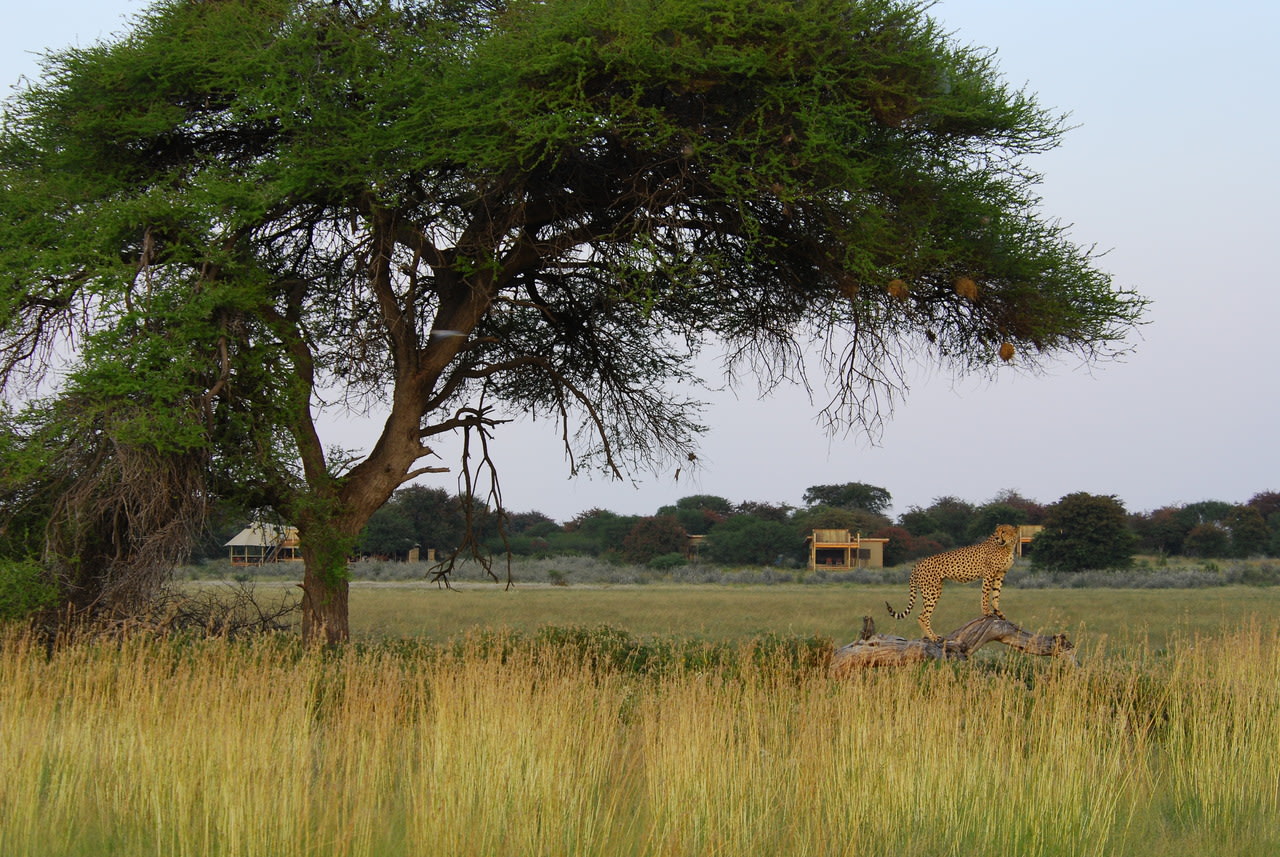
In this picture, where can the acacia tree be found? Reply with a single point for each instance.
(850, 495)
(241, 213)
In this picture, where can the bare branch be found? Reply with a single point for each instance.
(481, 424)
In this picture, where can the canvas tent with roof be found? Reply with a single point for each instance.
(260, 543)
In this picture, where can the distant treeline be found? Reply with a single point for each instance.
(1081, 530)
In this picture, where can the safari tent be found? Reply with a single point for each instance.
(261, 543)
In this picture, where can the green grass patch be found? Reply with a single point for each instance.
(1116, 618)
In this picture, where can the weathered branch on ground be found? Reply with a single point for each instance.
(878, 650)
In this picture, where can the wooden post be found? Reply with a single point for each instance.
(878, 650)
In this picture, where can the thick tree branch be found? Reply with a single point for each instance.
(465, 418)
(397, 319)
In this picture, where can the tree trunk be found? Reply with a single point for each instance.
(876, 650)
(325, 586)
(324, 607)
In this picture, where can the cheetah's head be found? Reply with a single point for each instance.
(1006, 535)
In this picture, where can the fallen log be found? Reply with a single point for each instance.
(880, 650)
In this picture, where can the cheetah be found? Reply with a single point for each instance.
(989, 560)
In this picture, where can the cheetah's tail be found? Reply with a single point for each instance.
(911, 604)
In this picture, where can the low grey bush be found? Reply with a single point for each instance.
(593, 570)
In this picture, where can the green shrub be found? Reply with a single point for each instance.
(653, 537)
(23, 589)
(608, 649)
(1084, 532)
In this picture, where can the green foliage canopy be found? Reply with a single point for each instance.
(1084, 531)
(698, 513)
(986, 518)
(1206, 540)
(805, 521)
(654, 537)
(850, 495)
(949, 519)
(242, 212)
(748, 540)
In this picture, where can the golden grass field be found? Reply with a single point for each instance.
(1163, 740)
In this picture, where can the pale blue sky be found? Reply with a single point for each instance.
(1171, 169)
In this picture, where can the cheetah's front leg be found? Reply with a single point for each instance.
(929, 597)
(991, 597)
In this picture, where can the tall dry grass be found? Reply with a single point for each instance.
(211, 748)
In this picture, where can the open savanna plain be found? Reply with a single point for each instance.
(655, 720)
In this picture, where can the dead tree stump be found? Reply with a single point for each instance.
(881, 650)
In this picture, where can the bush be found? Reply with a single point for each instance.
(1084, 531)
(899, 547)
(522, 545)
(608, 649)
(1256, 573)
(748, 539)
(23, 589)
(1162, 576)
(651, 537)
(1207, 540)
